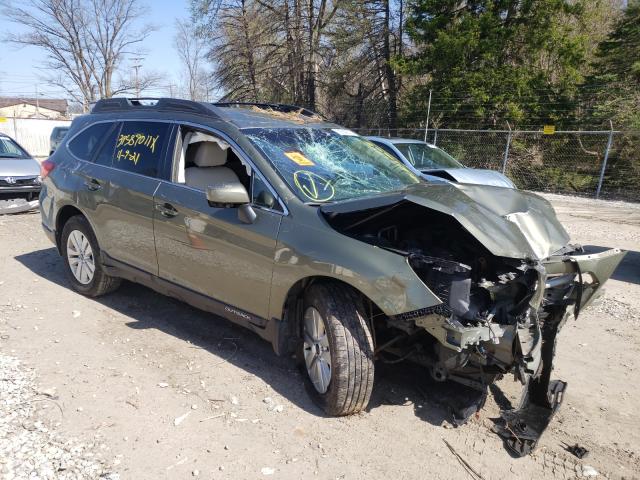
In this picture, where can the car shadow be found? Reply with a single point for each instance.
(629, 269)
(399, 384)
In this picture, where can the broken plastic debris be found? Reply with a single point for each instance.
(75, 313)
(180, 419)
(589, 471)
(163, 385)
(48, 392)
(268, 471)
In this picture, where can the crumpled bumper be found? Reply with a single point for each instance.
(593, 266)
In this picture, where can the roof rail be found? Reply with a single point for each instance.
(121, 104)
(278, 107)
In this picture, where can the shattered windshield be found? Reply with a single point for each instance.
(427, 157)
(324, 165)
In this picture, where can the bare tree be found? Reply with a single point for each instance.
(191, 48)
(85, 40)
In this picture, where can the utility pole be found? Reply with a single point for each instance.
(37, 102)
(137, 66)
(426, 127)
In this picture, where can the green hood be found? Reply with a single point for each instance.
(509, 223)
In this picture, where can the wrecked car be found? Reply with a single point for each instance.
(19, 177)
(321, 243)
(433, 163)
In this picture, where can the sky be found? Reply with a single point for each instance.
(21, 68)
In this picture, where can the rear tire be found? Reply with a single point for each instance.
(81, 255)
(334, 320)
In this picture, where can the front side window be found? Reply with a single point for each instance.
(10, 149)
(324, 165)
(85, 145)
(139, 147)
(427, 157)
(261, 196)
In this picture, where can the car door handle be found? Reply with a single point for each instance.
(166, 210)
(92, 184)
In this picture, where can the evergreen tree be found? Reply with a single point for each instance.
(490, 61)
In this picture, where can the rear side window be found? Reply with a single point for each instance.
(105, 155)
(85, 145)
(139, 147)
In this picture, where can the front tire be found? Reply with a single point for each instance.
(81, 254)
(336, 351)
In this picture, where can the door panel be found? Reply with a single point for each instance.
(126, 219)
(120, 208)
(210, 251)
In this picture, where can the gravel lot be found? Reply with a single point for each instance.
(139, 386)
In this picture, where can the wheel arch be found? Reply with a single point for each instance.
(288, 332)
(63, 216)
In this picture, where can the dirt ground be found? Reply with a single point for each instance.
(166, 391)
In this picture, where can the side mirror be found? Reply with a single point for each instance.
(232, 195)
(227, 195)
(266, 198)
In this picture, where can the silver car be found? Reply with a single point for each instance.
(19, 173)
(433, 163)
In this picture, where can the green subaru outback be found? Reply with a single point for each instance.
(321, 243)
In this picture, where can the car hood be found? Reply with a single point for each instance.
(477, 176)
(509, 223)
(19, 167)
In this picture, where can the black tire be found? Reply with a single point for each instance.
(101, 283)
(350, 347)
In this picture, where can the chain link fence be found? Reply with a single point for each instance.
(600, 164)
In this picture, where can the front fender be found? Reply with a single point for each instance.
(382, 276)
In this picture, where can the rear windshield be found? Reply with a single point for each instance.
(10, 149)
(59, 133)
(427, 157)
(324, 165)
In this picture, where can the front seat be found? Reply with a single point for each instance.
(209, 171)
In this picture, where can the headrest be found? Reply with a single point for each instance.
(209, 154)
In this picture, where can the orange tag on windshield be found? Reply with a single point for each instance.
(300, 159)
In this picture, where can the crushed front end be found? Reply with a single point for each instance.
(505, 319)
(498, 313)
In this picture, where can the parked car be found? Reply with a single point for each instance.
(319, 242)
(57, 135)
(429, 161)
(19, 171)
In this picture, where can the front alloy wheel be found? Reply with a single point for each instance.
(336, 348)
(317, 355)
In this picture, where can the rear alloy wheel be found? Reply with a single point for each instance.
(80, 257)
(81, 254)
(336, 349)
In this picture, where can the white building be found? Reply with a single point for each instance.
(50, 108)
